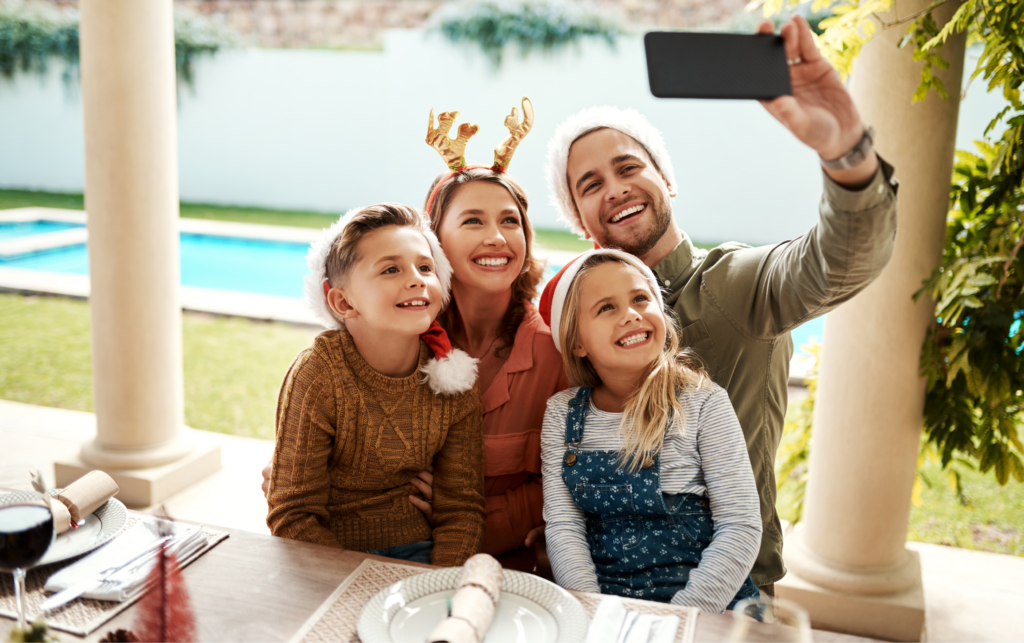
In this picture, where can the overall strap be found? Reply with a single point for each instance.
(576, 416)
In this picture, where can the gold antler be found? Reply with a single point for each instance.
(451, 150)
(517, 131)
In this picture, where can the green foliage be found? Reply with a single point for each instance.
(795, 450)
(972, 356)
(233, 367)
(32, 34)
(544, 24)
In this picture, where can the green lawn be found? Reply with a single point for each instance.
(233, 369)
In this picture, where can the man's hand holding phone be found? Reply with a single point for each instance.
(820, 112)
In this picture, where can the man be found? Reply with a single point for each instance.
(612, 179)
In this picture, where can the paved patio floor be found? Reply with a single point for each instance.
(971, 596)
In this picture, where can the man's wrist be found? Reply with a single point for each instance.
(858, 177)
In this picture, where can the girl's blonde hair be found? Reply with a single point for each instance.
(524, 288)
(654, 409)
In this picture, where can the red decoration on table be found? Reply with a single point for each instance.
(165, 612)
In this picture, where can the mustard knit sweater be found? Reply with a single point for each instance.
(350, 439)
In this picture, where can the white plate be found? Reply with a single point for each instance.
(98, 528)
(530, 610)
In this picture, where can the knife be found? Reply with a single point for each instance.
(71, 593)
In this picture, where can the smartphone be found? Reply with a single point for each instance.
(683, 64)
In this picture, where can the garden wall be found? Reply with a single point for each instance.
(330, 130)
(360, 24)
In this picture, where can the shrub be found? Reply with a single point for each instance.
(531, 25)
(32, 34)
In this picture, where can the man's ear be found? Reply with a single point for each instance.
(672, 192)
(339, 302)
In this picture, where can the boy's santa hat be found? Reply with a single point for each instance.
(627, 121)
(451, 370)
(552, 302)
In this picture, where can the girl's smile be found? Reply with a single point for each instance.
(634, 339)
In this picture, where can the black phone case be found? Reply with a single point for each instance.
(716, 65)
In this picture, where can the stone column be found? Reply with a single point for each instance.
(131, 197)
(848, 561)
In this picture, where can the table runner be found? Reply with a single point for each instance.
(81, 616)
(336, 618)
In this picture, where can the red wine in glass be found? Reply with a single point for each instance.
(26, 532)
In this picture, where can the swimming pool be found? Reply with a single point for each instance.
(234, 263)
(16, 229)
(207, 261)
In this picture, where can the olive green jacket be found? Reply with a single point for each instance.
(736, 306)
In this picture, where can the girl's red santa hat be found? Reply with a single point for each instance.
(451, 370)
(552, 302)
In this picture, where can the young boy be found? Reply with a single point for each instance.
(379, 397)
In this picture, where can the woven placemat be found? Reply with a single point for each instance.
(336, 618)
(81, 616)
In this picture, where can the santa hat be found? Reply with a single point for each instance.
(451, 370)
(628, 121)
(552, 302)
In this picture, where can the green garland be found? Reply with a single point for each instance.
(34, 34)
(544, 25)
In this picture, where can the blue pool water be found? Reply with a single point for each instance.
(247, 265)
(23, 229)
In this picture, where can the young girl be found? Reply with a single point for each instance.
(648, 491)
(378, 398)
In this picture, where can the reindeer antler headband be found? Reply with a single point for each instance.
(453, 150)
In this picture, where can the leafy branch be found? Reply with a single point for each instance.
(972, 355)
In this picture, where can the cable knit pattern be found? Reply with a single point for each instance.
(350, 439)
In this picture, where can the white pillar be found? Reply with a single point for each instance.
(131, 197)
(848, 560)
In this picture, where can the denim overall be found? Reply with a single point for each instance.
(644, 543)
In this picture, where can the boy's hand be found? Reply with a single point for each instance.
(267, 470)
(424, 481)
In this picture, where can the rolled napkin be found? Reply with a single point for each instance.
(130, 582)
(472, 606)
(87, 494)
(61, 517)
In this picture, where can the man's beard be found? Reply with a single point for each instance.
(639, 240)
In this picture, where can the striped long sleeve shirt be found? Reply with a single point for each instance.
(708, 457)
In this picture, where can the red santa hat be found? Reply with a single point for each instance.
(451, 370)
(628, 121)
(552, 301)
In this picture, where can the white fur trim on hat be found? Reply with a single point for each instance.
(567, 277)
(316, 261)
(629, 122)
(449, 375)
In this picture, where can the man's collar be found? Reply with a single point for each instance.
(678, 265)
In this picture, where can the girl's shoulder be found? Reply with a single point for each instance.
(559, 402)
(694, 398)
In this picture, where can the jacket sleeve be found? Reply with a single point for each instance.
(798, 280)
(459, 488)
(300, 482)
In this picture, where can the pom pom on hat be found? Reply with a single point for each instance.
(451, 370)
(629, 122)
(552, 301)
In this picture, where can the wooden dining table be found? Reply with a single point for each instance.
(254, 587)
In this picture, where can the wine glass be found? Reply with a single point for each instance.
(26, 526)
(782, 620)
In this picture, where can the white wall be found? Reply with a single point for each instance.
(329, 130)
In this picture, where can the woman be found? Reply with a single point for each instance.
(479, 215)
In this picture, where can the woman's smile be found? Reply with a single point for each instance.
(493, 261)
